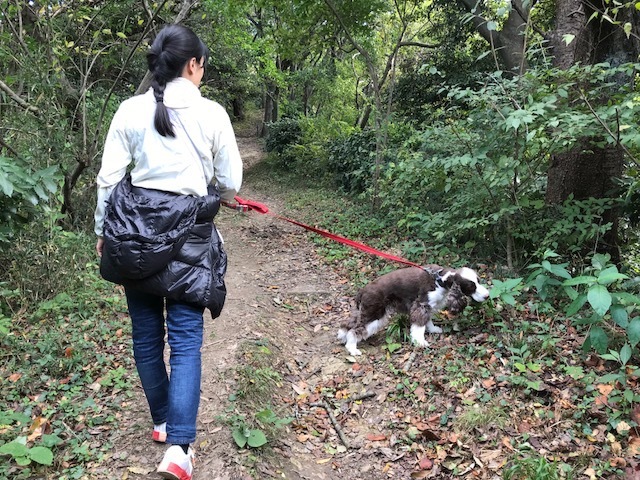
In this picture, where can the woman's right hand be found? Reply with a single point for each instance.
(99, 246)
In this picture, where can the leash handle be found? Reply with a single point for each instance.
(238, 207)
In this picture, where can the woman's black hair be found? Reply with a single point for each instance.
(174, 46)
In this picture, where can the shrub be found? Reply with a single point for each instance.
(283, 134)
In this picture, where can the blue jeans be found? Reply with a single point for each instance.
(172, 398)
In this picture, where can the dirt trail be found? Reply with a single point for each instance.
(269, 261)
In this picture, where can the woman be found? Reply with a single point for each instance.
(181, 146)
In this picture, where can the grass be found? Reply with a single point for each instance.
(534, 468)
(64, 374)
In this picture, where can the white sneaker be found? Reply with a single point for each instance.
(176, 465)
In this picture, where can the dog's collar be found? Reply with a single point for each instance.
(436, 274)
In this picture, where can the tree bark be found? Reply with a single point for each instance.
(508, 44)
(586, 171)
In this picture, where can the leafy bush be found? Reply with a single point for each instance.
(477, 179)
(351, 160)
(21, 190)
(282, 134)
(46, 260)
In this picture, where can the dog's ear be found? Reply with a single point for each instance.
(444, 280)
(468, 287)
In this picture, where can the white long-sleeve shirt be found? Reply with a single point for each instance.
(204, 150)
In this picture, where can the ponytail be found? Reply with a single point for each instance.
(174, 46)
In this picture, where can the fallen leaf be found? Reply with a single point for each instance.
(14, 377)
(430, 435)
(634, 446)
(323, 460)
(298, 390)
(507, 443)
(591, 473)
(141, 470)
(623, 427)
(420, 474)
(420, 394)
(604, 389)
(303, 438)
(37, 428)
(618, 462)
(376, 437)
(524, 427)
(425, 463)
(488, 383)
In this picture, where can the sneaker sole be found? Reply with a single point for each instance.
(174, 472)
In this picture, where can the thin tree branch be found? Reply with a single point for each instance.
(5, 145)
(418, 44)
(16, 98)
(615, 137)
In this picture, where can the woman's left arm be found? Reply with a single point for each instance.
(227, 163)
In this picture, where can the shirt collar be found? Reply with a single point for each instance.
(181, 93)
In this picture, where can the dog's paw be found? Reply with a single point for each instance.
(355, 352)
(435, 329)
(421, 343)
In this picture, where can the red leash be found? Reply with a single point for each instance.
(246, 205)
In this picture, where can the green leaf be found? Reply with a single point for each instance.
(239, 437)
(600, 260)
(568, 38)
(619, 315)
(582, 280)
(610, 275)
(560, 271)
(625, 354)
(599, 298)
(599, 339)
(508, 299)
(576, 305)
(627, 298)
(41, 455)
(633, 331)
(15, 449)
(50, 440)
(6, 186)
(257, 439)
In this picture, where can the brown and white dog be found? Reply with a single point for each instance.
(418, 292)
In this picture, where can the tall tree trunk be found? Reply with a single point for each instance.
(586, 171)
(507, 44)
